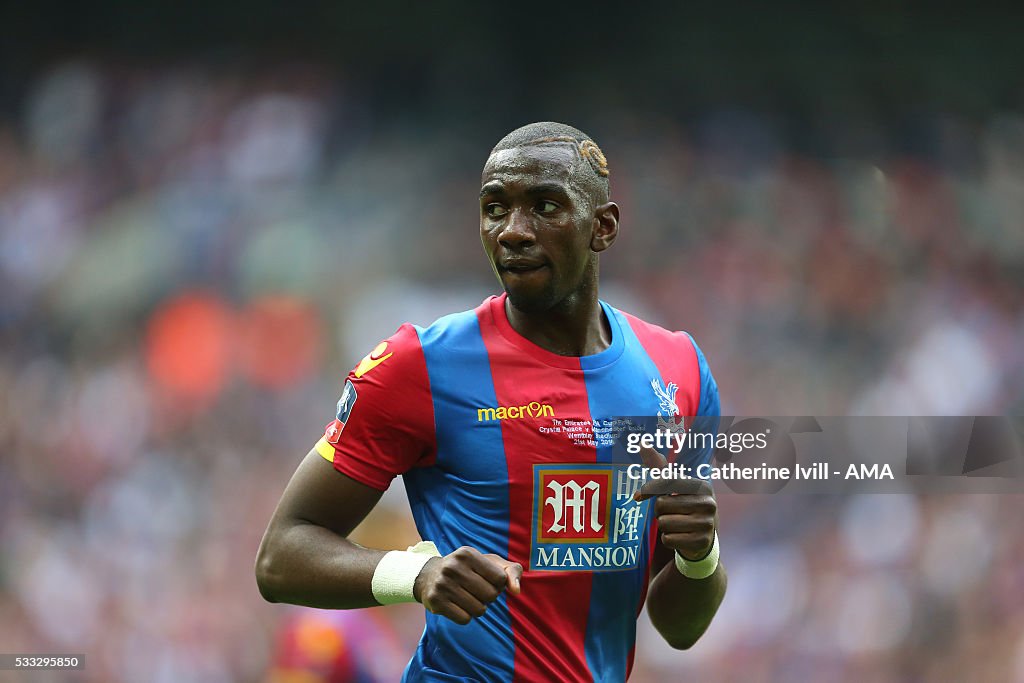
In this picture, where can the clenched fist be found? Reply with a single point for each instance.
(462, 584)
(685, 508)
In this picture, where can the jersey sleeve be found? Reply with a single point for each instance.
(384, 420)
(709, 405)
(707, 417)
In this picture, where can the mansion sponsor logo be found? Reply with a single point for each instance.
(532, 409)
(586, 558)
(575, 506)
(585, 518)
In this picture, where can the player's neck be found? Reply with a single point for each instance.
(577, 327)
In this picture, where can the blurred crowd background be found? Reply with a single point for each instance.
(202, 231)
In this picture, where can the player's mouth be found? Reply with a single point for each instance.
(520, 266)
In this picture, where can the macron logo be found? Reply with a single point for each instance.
(532, 409)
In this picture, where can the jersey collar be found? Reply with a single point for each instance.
(496, 310)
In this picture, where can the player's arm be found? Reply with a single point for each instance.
(681, 608)
(305, 557)
(384, 426)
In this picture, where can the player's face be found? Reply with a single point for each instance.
(536, 225)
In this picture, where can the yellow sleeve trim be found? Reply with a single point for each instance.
(325, 450)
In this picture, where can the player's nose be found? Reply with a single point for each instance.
(517, 232)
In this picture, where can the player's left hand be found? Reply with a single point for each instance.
(685, 508)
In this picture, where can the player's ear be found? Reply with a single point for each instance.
(606, 226)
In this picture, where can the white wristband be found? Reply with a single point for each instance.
(396, 573)
(701, 569)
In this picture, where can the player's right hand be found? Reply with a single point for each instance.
(462, 584)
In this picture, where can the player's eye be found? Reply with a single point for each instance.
(495, 210)
(546, 206)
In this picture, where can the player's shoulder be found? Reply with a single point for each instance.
(680, 361)
(393, 360)
(450, 329)
(400, 345)
(655, 337)
(408, 343)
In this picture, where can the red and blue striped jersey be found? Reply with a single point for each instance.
(508, 448)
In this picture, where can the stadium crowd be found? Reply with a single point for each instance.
(192, 258)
